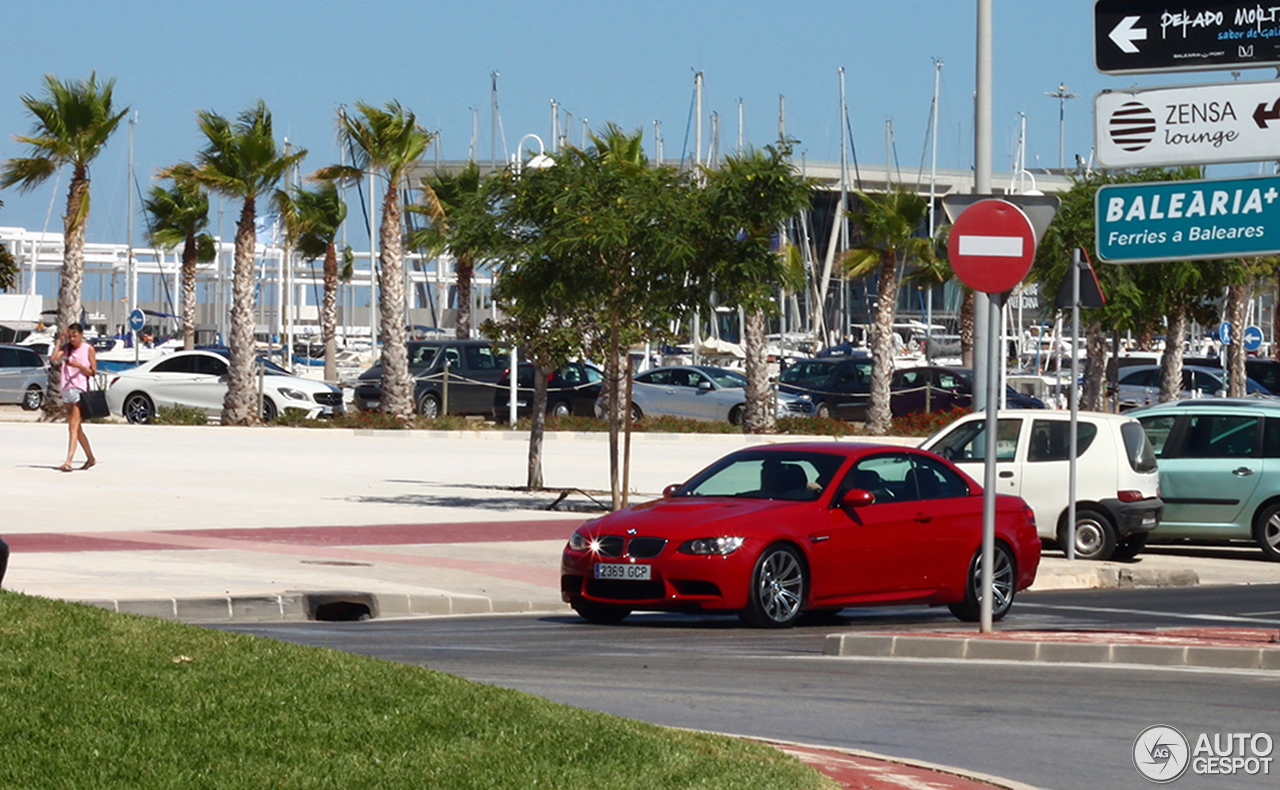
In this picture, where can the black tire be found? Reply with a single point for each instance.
(32, 399)
(735, 415)
(269, 410)
(560, 409)
(429, 405)
(823, 410)
(1004, 587)
(1266, 531)
(1129, 548)
(599, 613)
(138, 409)
(1095, 535)
(779, 588)
(636, 414)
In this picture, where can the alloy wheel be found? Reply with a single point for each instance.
(781, 586)
(1001, 583)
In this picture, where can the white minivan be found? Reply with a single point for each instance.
(1117, 482)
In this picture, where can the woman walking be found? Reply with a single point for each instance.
(79, 362)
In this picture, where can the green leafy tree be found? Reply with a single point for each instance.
(746, 202)
(8, 269)
(73, 121)
(388, 141)
(312, 219)
(614, 238)
(240, 161)
(1138, 298)
(179, 215)
(888, 226)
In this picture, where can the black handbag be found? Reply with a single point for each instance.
(93, 403)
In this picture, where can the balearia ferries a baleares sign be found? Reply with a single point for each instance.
(1188, 125)
(1188, 220)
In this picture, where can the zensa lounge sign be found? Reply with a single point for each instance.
(1189, 125)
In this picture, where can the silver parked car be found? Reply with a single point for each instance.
(1139, 385)
(23, 377)
(702, 392)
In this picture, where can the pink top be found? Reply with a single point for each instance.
(74, 378)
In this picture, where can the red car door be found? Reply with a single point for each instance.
(875, 551)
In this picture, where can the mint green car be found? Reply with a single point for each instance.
(1219, 462)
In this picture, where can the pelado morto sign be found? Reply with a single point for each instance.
(1188, 125)
(1188, 220)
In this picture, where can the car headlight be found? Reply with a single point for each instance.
(579, 542)
(293, 394)
(720, 546)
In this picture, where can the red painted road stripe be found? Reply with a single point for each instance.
(376, 535)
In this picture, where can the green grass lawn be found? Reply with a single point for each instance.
(93, 699)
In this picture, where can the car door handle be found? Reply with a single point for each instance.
(1006, 474)
(923, 518)
(1243, 471)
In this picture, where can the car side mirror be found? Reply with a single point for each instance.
(670, 490)
(704, 385)
(857, 497)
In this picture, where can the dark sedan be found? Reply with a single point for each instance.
(838, 386)
(939, 388)
(571, 389)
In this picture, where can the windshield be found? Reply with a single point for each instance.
(807, 373)
(725, 378)
(798, 477)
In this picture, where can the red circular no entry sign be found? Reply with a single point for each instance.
(992, 245)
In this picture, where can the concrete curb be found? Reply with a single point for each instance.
(1050, 652)
(962, 773)
(1084, 575)
(321, 605)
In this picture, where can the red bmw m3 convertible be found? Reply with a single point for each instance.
(771, 532)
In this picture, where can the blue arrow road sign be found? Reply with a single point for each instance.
(137, 320)
(1252, 338)
(1188, 220)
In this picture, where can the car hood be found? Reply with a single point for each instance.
(680, 518)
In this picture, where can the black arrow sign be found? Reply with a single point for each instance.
(1146, 36)
(1262, 114)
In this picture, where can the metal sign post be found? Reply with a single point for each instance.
(985, 624)
(1073, 397)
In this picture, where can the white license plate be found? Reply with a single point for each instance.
(1149, 518)
(617, 570)
(373, 404)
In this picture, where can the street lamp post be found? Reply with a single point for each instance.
(1061, 95)
(539, 161)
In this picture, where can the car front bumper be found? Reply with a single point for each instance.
(679, 582)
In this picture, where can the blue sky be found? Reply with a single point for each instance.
(630, 63)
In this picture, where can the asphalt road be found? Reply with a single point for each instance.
(1054, 726)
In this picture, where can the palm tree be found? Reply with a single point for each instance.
(747, 201)
(312, 220)
(887, 224)
(387, 140)
(73, 121)
(179, 216)
(240, 161)
(461, 222)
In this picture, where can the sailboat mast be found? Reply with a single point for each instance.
(933, 185)
(493, 121)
